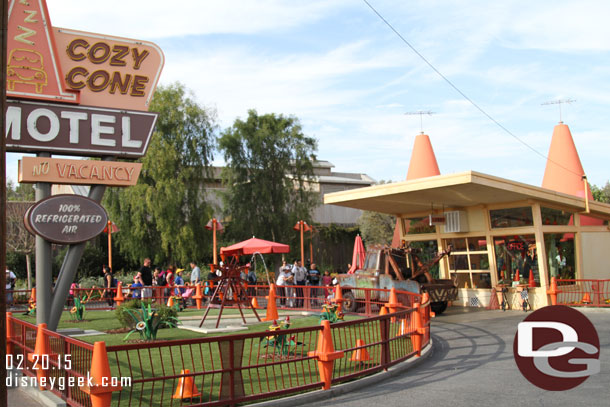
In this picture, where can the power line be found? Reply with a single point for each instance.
(480, 109)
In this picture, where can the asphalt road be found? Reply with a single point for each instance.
(473, 365)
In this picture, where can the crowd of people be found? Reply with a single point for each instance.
(297, 275)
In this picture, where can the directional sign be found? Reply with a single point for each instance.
(77, 130)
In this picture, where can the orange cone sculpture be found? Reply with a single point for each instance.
(186, 388)
(326, 354)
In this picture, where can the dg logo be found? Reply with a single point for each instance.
(556, 348)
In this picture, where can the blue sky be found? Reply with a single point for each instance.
(349, 79)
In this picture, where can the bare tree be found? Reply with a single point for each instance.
(18, 239)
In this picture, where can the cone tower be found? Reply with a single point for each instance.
(423, 164)
(564, 171)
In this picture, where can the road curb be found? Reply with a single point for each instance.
(319, 395)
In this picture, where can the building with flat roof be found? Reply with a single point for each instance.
(501, 231)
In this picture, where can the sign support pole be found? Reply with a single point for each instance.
(44, 261)
(70, 266)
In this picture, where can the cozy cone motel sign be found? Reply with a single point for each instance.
(76, 93)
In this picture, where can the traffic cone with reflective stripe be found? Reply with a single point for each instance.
(186, 388)
(360, 355)
(586, 299)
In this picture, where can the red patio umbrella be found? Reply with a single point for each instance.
(358, 256)
(254, 245)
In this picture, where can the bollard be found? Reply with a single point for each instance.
(326, 355)
(36, 357)
(101, 391)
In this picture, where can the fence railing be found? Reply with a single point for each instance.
(366, 301)
(582, 293)
(226, 370)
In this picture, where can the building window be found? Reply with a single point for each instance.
(560, 255)
(516, 259)
(469, 262)
(552, 216)
(419, 225)
(426, 251)
(511, 218)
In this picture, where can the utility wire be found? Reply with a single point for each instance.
(480, 109)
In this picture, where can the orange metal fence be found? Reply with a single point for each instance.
(225, 370)
(583, 293)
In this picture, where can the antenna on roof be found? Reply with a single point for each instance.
(558, 102)
(421, 113)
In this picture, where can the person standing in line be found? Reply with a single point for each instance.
(195, 274)
(109, 284)
(313, 278)
(300, 279)
(284, 278)
(146, 275)
(11, 280)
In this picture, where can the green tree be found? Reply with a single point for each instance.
(19, 192)
(163, 217)
(269, 162)
(376, 228)
(601, 194)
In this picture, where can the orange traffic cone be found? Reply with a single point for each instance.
(383, 311)
(553, 291)
(101, 391)
(198, 295)
(586, 299)
(338, 297)
(361, 354)
(119, 298)
(516, 275)
(170, 301)
(403, 327)
(271, 306)
(186, 388)
(41, 348)
(255, 303)
(531, 283)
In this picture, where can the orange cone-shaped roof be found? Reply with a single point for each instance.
(423, 164)
(423, 161)
(564, 171)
